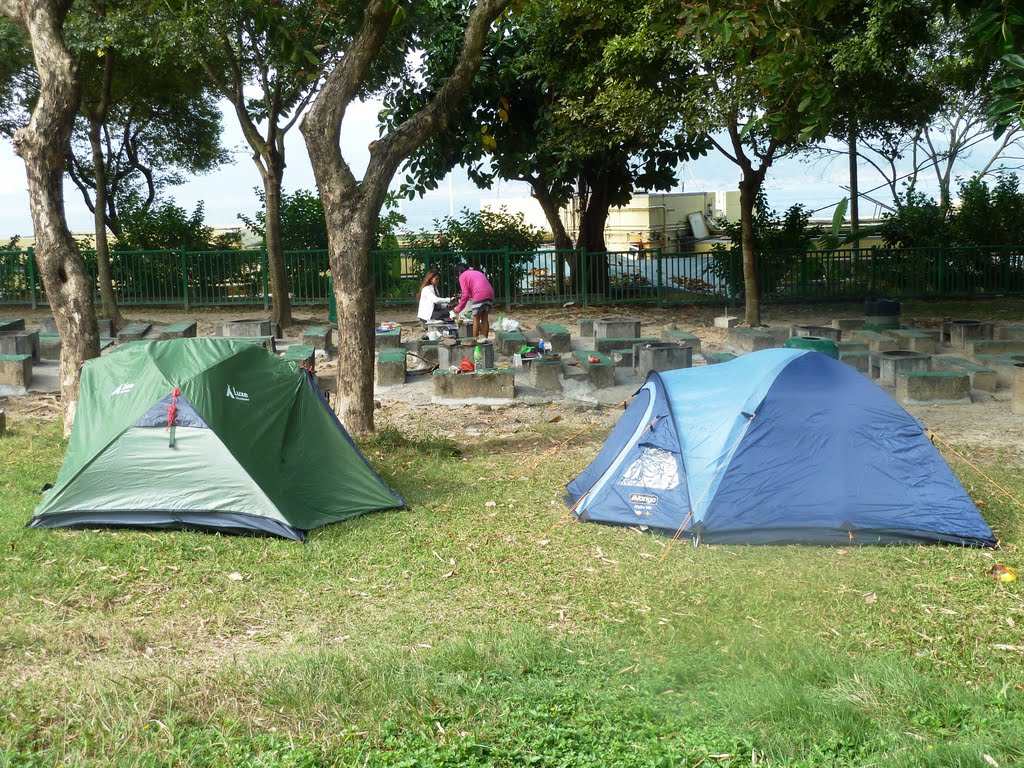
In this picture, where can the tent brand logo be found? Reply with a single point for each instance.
(236, 394)
(124, 389)
(643, 498)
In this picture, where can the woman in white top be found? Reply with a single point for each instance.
(432, 306)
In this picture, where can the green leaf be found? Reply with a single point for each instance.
(804, 104)
(839, 215)
(1015, 60)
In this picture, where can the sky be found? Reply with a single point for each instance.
(230, 190)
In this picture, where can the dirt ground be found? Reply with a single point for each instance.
(985, 424)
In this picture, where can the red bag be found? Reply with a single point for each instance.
(466, 365)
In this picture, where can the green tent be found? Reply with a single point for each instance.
(211, 434)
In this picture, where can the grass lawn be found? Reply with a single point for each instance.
(464, 631)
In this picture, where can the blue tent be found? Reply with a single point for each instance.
(779, 446)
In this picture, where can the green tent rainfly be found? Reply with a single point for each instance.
(210, 434)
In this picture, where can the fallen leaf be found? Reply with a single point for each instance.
(491, 504)
(235, 576)
(449, 574)
(1000, 572)
(870, 597)
(555, 420)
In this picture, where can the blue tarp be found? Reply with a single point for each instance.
(777, 446)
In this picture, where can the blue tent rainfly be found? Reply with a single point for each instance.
(779, 446)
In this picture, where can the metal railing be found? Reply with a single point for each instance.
(240, 277)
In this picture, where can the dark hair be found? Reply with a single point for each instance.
(431, 274)
(462, 267)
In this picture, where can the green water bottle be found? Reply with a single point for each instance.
(478, 356)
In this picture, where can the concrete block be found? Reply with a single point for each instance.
(881, 323)
(1017, 397)
(267, 342)
(509, 342)
(726, 322)
(661, 357)
(104, 343)
(15, 374)
(933, 387)
(388, 339)
(600, 373)
(617, 328)
(853, 346)
(47, 325)
(886, 366)
(544, 374)
(818, 331)
(751, 339)
(975, 347)
(183, 330)
(1003, 365)
(914, 340)
(962, 331)
(133, 332)
(713, 358)
(605, 345)
(587, 327)
(557, 335)
(426, 350)
(1009, 332)
(480, 385)
(877, 342)
(861, 360)
(447, 356)
(20, 343)
(683, 339)
(245, 328)
(10, 324)
(982, 377)
(390, 370)
(49, 346)
(848, 323)
(304, 355)
(319, 337)
(104, 325)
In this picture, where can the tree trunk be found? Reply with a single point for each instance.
(351, 208)
(44, 146)
(282, 307)
(104, 274)
(563, 243)
(349, 253)
(854, 187)
(751, 282)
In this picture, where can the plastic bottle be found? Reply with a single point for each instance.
(478, 356)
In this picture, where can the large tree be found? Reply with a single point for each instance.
(145, 118)
(267, 59)
(43, 145)
(577, 100)
(351, 206)
(763, 78)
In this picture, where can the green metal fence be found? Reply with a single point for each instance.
(239, 277)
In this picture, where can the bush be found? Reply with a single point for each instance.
(917, 222)
(778, 245)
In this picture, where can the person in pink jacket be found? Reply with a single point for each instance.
(476, 291)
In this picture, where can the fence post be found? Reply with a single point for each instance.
(32, 276)
(184, 275)
(508, 279)
(583, 275)
(1006, 269)
(871, 271)
(805, 283)
(659, 273)
(264, 267)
